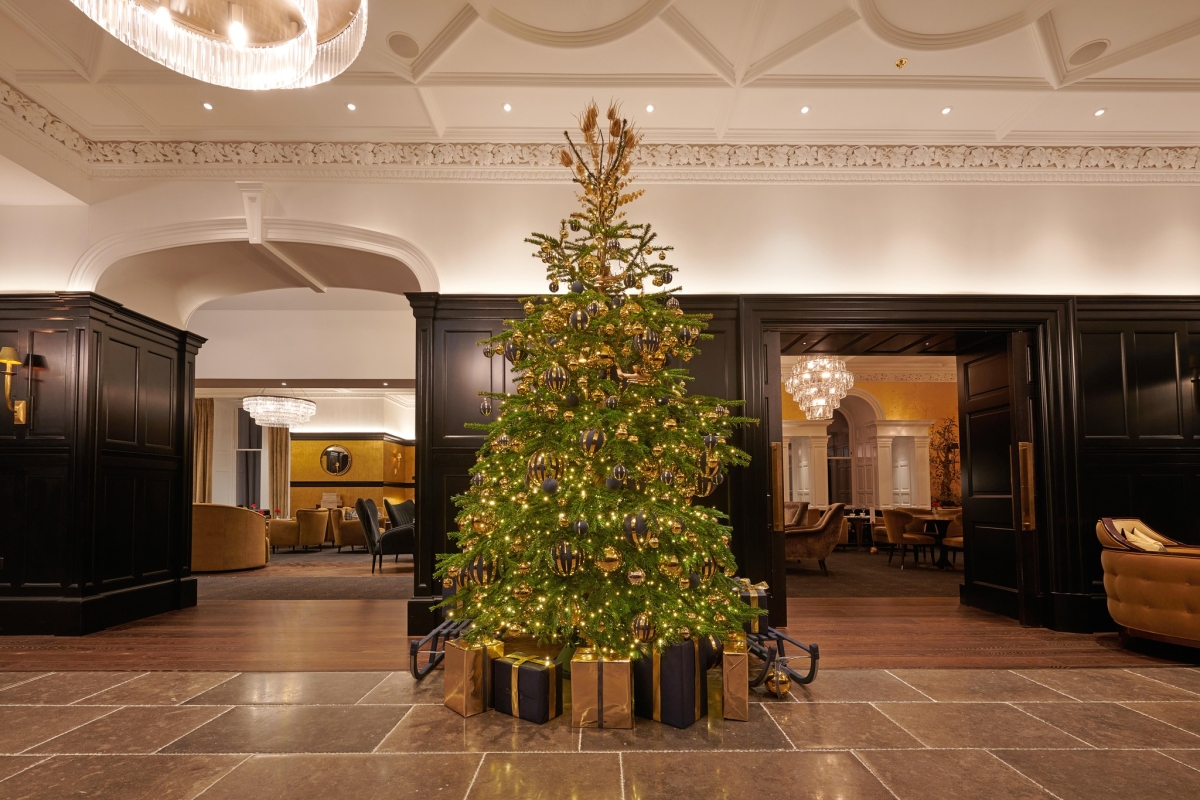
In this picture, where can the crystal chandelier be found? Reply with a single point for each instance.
(279, 412)
(818, 384)
(250, 44)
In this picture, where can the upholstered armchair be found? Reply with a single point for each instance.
(794, 515)
(306, 530)
(954, 536)
(346, 532)
(380, 544)
(402, 536)
(1150, 581)
(227, 538)
(899, 525)
(815, 542)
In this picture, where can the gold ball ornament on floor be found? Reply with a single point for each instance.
(643, 627)
(609, 560)
(778, 683)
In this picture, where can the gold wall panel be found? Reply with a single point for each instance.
(366, 464)
(310, 496)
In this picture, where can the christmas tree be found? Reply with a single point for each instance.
(580, 525)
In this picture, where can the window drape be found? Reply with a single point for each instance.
(279, 466)
(202, 469)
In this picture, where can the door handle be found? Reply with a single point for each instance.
(777, 485)
(1025, 467)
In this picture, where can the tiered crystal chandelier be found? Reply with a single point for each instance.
(250, 44)
(818, 385)
(279, 412)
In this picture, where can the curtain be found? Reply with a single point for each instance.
(202, 451)
(279, 466)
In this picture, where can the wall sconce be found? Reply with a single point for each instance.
(9, 361)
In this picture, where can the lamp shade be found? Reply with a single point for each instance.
(34, 361)
(8, 355)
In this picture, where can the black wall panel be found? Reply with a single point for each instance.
(1102, 375)
(120, 369)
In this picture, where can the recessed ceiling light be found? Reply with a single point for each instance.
(804, 109)
(650, 109)
(507, 107)
(1088, 52)
(403, 45)
(351, 106)
(1100, 112)
(284, 383)
(385, 383)
(208, 106)
(946, 110)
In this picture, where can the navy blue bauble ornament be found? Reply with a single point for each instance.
(612, 484)
(619, 472)
(667, 277)
(581, 528)
(662, 401)
(549, 486)
(485, 407)
(631, 280)
(572, 400)
(511, 351)
(710, 440)
(610, 401)
(477, 479)
(553, 286)
(618, 300)
(577, 287)
(578, 320)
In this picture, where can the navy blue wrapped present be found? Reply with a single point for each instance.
(672, 686)
(755, 595)
(528, 687)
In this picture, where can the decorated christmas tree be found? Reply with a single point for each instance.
(581, 525)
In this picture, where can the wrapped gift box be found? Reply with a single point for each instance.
(735, 679)
(528, 687)
(468, 675)
(755, 595)
(671, 686)
(601, 691)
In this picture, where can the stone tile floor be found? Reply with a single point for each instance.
(902, 733)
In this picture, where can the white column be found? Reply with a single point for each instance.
(818, 469)
(225, 450)
(883, 471)
(920, 472)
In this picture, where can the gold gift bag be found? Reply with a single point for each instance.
(601, 691)
(735, 679)
(468, 675)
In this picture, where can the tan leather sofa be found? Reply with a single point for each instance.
(1153, 595)
(227, 538)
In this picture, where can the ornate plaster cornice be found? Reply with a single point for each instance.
(905, 377)
(657, 163)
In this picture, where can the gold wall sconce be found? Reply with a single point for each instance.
(9, 361)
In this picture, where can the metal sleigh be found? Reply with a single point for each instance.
(769, 647)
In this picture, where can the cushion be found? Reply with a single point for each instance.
(1143, 542)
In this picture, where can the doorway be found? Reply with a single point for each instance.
(940, 431)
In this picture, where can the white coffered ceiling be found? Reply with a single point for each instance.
(714, 70)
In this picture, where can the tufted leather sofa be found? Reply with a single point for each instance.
(1154, 595)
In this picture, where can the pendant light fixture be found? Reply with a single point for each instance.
(272, 411)
(254, 44)
(818, 384)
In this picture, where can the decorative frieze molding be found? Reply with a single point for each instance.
(657, 162)
(904, 377)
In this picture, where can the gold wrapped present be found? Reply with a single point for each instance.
(468, 675)
(735, 679)
(601, 691)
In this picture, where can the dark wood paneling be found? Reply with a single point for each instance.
(1159, 411)
(464, 373)
(120, 392)
(152, 542)
(50, 389)
(987, 435)
(118, 520)
(1102, 375)
(156, 400)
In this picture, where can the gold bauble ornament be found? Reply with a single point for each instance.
(653, 540)
(626, 351)
(657, 450)
(684, 582)
(687, 355)
(685, 633)
(669, 424)
(676, 527)
(529, 307)
(643, 627)
(656, 280)
(562, 502)
(622, 431)
(778, 683)
(563, 522)
(482, 525)
(718, 617)
(568, 415)
(523, 568)
(522, 497)
(523, 592)
(662, 255)
(518, 545)
(609, 329)
(633, 439)
(669, 565)
(635, 577)
(609, 560)
(551, 412)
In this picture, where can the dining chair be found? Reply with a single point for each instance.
(898, 525)
(954, 537)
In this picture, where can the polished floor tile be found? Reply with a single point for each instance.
(119, 777)
(975, 725)
(8, 679)
(137, 729)
(724, 776)
(1189, 757)
(1091, 774)
(949, 775)
(362, 777)
(11, 765)
(291, 688)
(293, 729)
(402, 689)
(1113, 685)
(710, 733)
(22, 727)
(979, 685)
(1188, 679)
(1111, 725)
(438, 729)
(1181, 715)
(855, 685)
(159, 688)
(835, 726)
(547, 776)
(63, 688)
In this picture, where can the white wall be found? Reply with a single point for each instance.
(354, 413)
(39, 245)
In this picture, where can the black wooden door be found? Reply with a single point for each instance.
(985, 419)
(772, 494)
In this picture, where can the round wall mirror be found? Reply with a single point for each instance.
(335, 460)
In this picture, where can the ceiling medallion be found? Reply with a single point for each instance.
(254, 44)
(279, 412)
(818, 384)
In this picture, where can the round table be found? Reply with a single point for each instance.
(941, 520)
